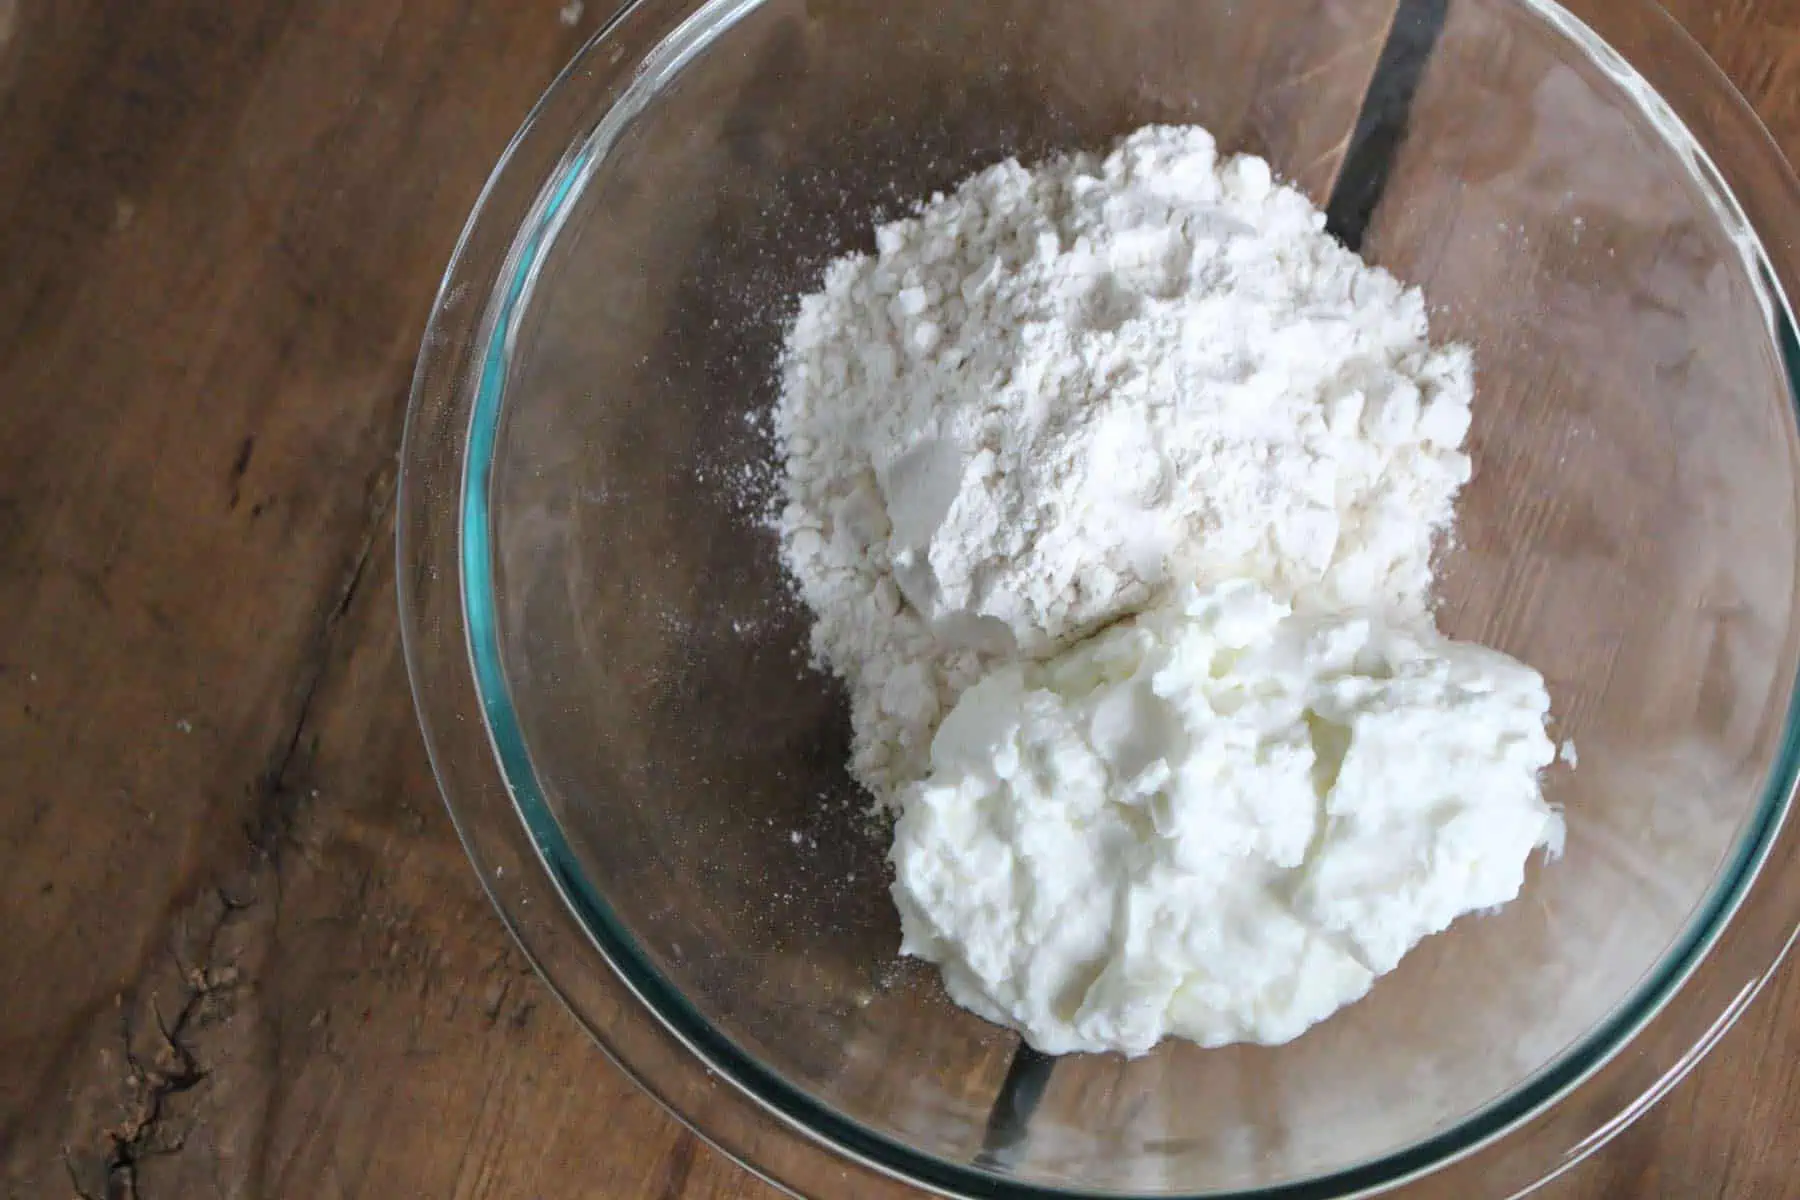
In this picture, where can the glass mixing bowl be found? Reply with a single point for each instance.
(651, 779)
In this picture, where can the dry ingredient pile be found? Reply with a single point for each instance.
(1113, 486)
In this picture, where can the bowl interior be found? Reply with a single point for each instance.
(1631, 532)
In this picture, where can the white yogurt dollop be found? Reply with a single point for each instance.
(1220, 820)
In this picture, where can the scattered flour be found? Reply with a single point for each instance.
(1060, 398)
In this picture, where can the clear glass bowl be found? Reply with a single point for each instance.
(650, 779)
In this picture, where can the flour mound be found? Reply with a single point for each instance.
(1054, 394)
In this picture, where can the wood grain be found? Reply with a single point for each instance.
(1579, 464)
(249, 957)
(244, 954)
(1727, 1130)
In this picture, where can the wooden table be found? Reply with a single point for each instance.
(243, 953)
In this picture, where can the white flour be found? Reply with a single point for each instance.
(1054, 391)
(1057, 398)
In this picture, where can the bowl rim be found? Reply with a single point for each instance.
(500, 810)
